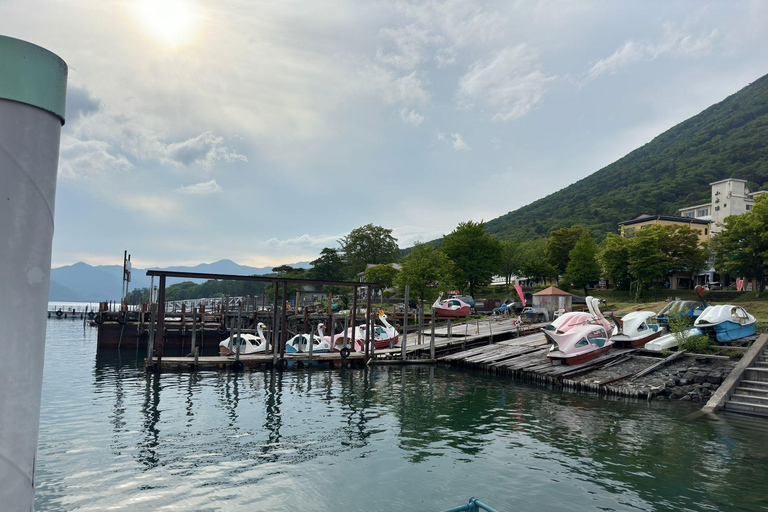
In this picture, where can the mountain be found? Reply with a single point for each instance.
(60, 293)
(727, 140)
(83, 282)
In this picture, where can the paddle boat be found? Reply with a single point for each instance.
(726, 322)
(301, 342)
(581, 342)
(634, 329)
(451, 307)
(670, 341)
(567, 321)
(681, 308)
(382, 335)
(249, 343)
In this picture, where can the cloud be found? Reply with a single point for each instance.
(101, 141)
(318, 242)
(411, 117)
(205, 149)
(510, 85)
(456, 141)
(80, 159)
(674, 42)
(204, 188)
(80, 102)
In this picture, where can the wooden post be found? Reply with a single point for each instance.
(354, 319)
(311, 345)
(405, 324)
(432, 337)
(344, 338)
(202, 327)
(329, 327)
(490, 329)
(183, 328)
(151, 340)
(239, 332)
(160, 335)
(368, 349)
(275, 329)
(284, 322)
(194, 328)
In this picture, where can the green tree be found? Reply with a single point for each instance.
(328, 267)
(423, 270)
(384, 275)
(647, 262)
(614, 259)
(583, 266)
(683, 250)
(368, 244)
(512, 260)
(560, 244)
(536, 265)
(475, 255)
(137, 296)
(742, 248)
(286, 269)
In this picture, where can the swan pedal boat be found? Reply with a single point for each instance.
(633, 330)
(451, 307)
(249, 343)
(586, 336)
(301, 342)
(382, 335)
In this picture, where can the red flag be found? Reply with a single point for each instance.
(520, 294)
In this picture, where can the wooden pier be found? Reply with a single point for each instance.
(629, 373)
(260, 361)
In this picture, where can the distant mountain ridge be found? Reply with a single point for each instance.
(83, 282)
(727, 140)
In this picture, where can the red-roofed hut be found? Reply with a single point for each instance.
(552, 299)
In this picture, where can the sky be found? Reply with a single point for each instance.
(264, 131)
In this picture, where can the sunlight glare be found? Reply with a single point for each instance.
(170, 22)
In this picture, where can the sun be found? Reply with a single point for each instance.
(171, 23)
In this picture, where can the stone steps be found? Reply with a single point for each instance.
(753, 384)
(751, 395)
(746, 408)
(756, 373)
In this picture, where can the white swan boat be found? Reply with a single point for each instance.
(249, 343)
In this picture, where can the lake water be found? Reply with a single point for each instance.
(113, 437)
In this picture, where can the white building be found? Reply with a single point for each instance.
(729, 197)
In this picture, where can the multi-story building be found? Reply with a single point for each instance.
(644, 221)
(729, 197)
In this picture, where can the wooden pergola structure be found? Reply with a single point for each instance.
(279, 330)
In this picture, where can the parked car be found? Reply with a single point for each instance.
(713, 286)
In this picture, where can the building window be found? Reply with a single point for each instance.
(749, 207)
(705, 231)
(702, 212)
(688, 214)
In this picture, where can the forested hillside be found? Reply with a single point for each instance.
(729, 139)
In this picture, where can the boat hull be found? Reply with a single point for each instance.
(554, 358)
(621, 341)
(669, 341)
(731, 331)
(456, 313)
(385, 343)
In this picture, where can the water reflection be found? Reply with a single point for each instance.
(245, 437)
